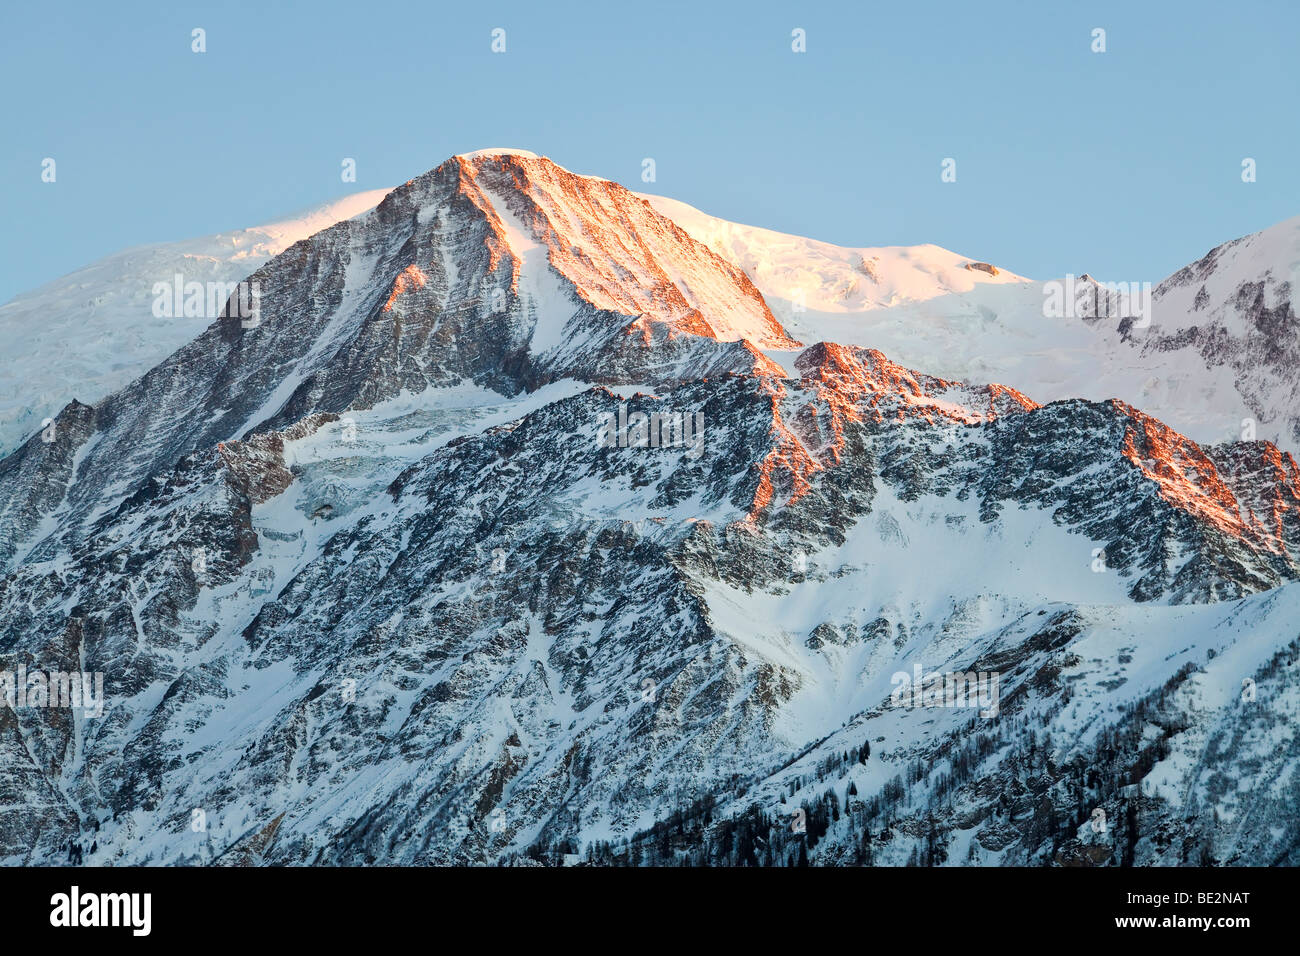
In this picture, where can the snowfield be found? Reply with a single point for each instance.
(92, 331)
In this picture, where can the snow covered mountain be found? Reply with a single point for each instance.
(1215, 357)
(1216, 361)
(1235, 314)
(93, 331)
(520, 526)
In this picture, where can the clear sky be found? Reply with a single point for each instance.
(1125, 164)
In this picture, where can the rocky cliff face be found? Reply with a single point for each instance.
(1235, 310)
(498, 537)
(94, 331)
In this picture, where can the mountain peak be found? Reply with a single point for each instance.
(506, 449)
(609, 249)
(498, 151)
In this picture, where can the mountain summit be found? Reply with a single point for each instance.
(513, 526)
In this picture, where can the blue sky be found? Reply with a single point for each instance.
(1125, 164)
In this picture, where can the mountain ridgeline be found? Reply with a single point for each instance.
(368, 581)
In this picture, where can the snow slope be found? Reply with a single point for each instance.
(92, 331)
(925, 309)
